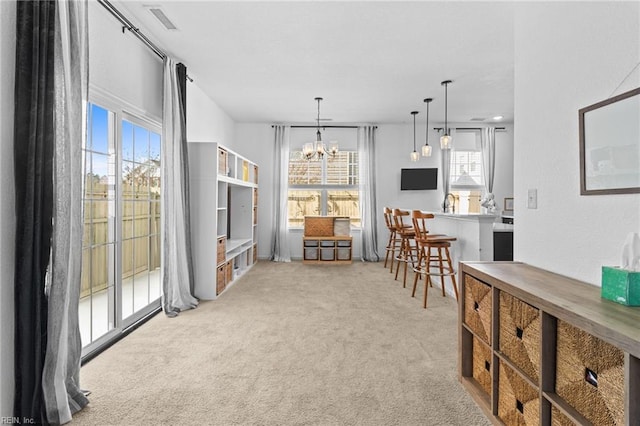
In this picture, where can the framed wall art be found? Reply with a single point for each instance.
(610, 145)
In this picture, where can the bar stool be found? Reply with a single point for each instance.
(408, 251)
(427, 260)
(393, 244)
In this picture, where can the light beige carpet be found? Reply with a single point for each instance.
(290, 344)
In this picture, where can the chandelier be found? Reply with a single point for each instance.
(317, 150)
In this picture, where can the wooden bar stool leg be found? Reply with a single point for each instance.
(413, 255)
(427, 277)
(453, 275)
(390, 247)
(386, 255)
(406, 262)
(417, 270)
(400, 256)
(393, 258)
(441, 267)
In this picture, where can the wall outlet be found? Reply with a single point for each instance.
(532, 199)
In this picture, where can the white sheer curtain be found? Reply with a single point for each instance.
(61, 373)
(488, 144)
(177, 266)
(367, 179)
(280, 251)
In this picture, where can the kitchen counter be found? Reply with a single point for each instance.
(474, 233)
(502, 227)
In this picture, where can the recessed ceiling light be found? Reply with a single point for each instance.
(498, 117)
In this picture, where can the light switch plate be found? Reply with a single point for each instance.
(532, 199)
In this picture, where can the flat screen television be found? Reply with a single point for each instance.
(418, 179)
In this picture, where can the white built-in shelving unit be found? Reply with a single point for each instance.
(224, 202)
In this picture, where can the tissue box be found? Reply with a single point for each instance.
(621, 286)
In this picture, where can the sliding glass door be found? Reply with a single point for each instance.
(121, 250)
(140, 185)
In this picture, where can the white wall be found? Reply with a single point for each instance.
(206, 122)
(255, 141)
(7, 216)
(394, 142)
(567, 56)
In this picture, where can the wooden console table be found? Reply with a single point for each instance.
(539, 348)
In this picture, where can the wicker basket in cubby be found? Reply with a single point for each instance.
(518, 402)
(520, 334)
(482, 365)
(477, 307)
(559, 419)
(220, 279)
(318, 226)
(229, 271)
(590, 375)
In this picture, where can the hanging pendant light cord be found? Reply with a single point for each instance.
(426, 138)
(446, 129)
(414, 132)
(318, 136)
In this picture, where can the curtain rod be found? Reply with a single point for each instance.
(128, 25)
(324, 127)
(469, 128)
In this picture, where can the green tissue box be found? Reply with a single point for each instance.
(621, 286)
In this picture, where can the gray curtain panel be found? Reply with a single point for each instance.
(33, 169)
(177, 264)
(280, 251)
(368, 207)
(60, 379)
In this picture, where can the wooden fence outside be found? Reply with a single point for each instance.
(140, 244)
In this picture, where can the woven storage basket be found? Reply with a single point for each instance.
(590, 375)
(318, 226)
(518, 403)
(520, 334)
(220, 279)
(559, 419)
(482, 365)
(221, 250)
(477, 307)
(229, 271)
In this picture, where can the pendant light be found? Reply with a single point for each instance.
(426, 148)
(414, 155)
(445, 140)
(318, 149)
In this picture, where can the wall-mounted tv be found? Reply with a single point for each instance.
(418, 179)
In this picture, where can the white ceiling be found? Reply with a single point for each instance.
(370, 61)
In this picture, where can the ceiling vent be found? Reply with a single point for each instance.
(160, 16)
